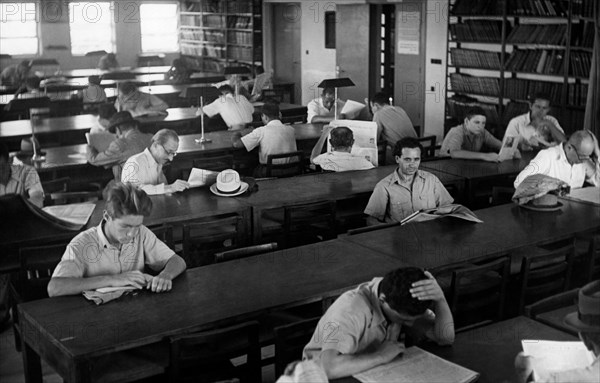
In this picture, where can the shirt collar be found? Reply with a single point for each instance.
(151, 159)
(378, 317)
(274, 122)
(101, 237)
(562, 155)
(400, 180)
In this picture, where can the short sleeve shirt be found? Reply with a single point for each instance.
(393, 124)
(521, 127)
(316, 108)
(393, 199)
(342, 162)
(235, 111)
(90, 254)
(459, 138)
(23, 179)
(273, 138)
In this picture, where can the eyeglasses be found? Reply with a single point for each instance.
(169, 153)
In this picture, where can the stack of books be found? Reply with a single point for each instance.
(475, 58)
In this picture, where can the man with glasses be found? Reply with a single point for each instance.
(573, 162)
(144, 170)
(114, 253)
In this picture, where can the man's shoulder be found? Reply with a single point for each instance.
(88, 237)
(427, 176)
(520, 119)
(387, 180)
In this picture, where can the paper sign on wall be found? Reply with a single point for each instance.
(408, 30)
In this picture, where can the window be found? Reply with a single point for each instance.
(18, 29)
(92, 27)
(159, 23)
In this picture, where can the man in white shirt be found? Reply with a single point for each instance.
(235, 111)
(573, 162)
(144, 170)
(322, 109)
(139, 103)
(340, 159)
(525, 126)
(273, 138)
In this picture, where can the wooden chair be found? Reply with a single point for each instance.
(215, 163)
(478, 292)
(75, 197)
(429, 147)
(164, 233)
(594, 259)
(308, 223)
(205, 356)
(545, 274)
(58, 185)
(244, 252)
(554, 302)
(294, 167)
(290, 341)
(203, 239)
(278, 95)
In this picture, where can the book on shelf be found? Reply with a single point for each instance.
(546, 8)
(477, 31)
(475, 58)
(476, 85)
(474, 7)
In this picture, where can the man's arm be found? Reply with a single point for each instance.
(377, 206)
(113, 155)
(492, 142)
(164, 280)
(469, 155)
(318, 149)
(337, 365)
(73, 285)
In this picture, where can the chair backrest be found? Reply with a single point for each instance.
(58, 185)
(310, 222)
(478, 293)
(36, 267)
(554, 302)
(216, 163)
(164, 233)
(290, 340)
(594, 259)
(99, 53)
(205, 356)
(151, 60)
(367, 229)
(543, 275)
(285, 164)
(45, 66)
(62, 198)
(203, 239)
(382, 152)
(428, 143)
(243, 252)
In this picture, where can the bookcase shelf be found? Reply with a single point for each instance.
(524, 47)
(215, 34)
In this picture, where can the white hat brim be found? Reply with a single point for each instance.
(243, 188)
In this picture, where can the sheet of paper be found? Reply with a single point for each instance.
(551, 356)
(417, 366)
(508, 149)
(111, 289)
(201, 177)
(77, 213)
(100, 141)
(588, 194)
(352, 109)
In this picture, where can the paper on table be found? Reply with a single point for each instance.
(590, 194)
(452, 210)
(509, 147)
(417, 366)
(352, 109)
(201, 177)
(551, 356)
(76, 213)
(100, 141)
(111, 289)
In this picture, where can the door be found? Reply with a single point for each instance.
(286, 38)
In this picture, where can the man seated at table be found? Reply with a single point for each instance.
(129, 141)
(236, 111)
(139, 103)
(178, 72)
(573, 162)
(105, 113)
(144, 170)
(19, 179)
(587, 322)
(470, 138)
(361, 328)
(108, 62)
(322, 109)
(406, 190)
(340, 159)
(94, 92)
(15, 75)
(272, 138)
(114, 253)
(262, 80)
(527, 126)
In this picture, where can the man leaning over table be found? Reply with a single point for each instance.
(145, 169)
(114, 253)
(407, 189)
(361, 329)
(573, 162)
(236, 111)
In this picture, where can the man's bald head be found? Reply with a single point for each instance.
(581, 146)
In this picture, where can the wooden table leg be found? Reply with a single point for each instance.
(32, 364)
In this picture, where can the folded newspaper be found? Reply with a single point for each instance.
(107, 294)
(200, 177)
(453, 210)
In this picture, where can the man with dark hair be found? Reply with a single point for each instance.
(145, 169)
(407, 189)
(361, 328)
(105, 113)
(114, 253)
(272, 138)
(525, 126)
(129, 141)
(236, 111)
(94, 93)
(138, 103)
(19, 179)
(322, 109)
(393, 123)
(15, 75)
(340, 159)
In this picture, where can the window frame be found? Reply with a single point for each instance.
(111, 8)
(177, 18)
(38, 38)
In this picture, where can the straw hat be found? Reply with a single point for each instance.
(587, 317)
(228, 184)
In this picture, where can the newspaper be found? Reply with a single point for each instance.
(100, 141)
(452, 210)
(352, 109)
(550, 356)
(365, 138)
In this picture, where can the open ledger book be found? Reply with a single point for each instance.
(418, 366)
(200, 177)
(453, 210)
(550, 356)
(76, 214)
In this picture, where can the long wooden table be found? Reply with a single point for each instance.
(555, 318)
(505, 228)
(72, 334)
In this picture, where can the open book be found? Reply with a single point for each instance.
(100, 141)
(550, 356)
(352, 109)
(417, 366)
(76, 214)
(201, 177)
(453, 210)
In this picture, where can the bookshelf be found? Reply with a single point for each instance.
(216, 34)
(500, 52)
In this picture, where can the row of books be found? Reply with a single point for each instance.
(582, 34)
(240, 53)
(541, 61)
(237, 37)
(204, 50)
(217, 6)
(239, 22)
(583, 8)
(554, 34)
(460, 82)
(475, 58)
(478, 7)
(458, 105)
(214, 36)
(477, 30)
(552, 8)
(577, 94)
(580, 63)
(520, 89)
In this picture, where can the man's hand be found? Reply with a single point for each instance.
(491, 157)
(179, 185)
(160, 283)
(533, 141)
(523, 367)
(136, 279)
(391, 348)
(427, 289)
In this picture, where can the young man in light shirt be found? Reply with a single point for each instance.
(322, 109)
(144, 170)
(236, 111)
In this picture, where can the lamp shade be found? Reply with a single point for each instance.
(336, 83)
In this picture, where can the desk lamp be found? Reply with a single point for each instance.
(336, 83)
